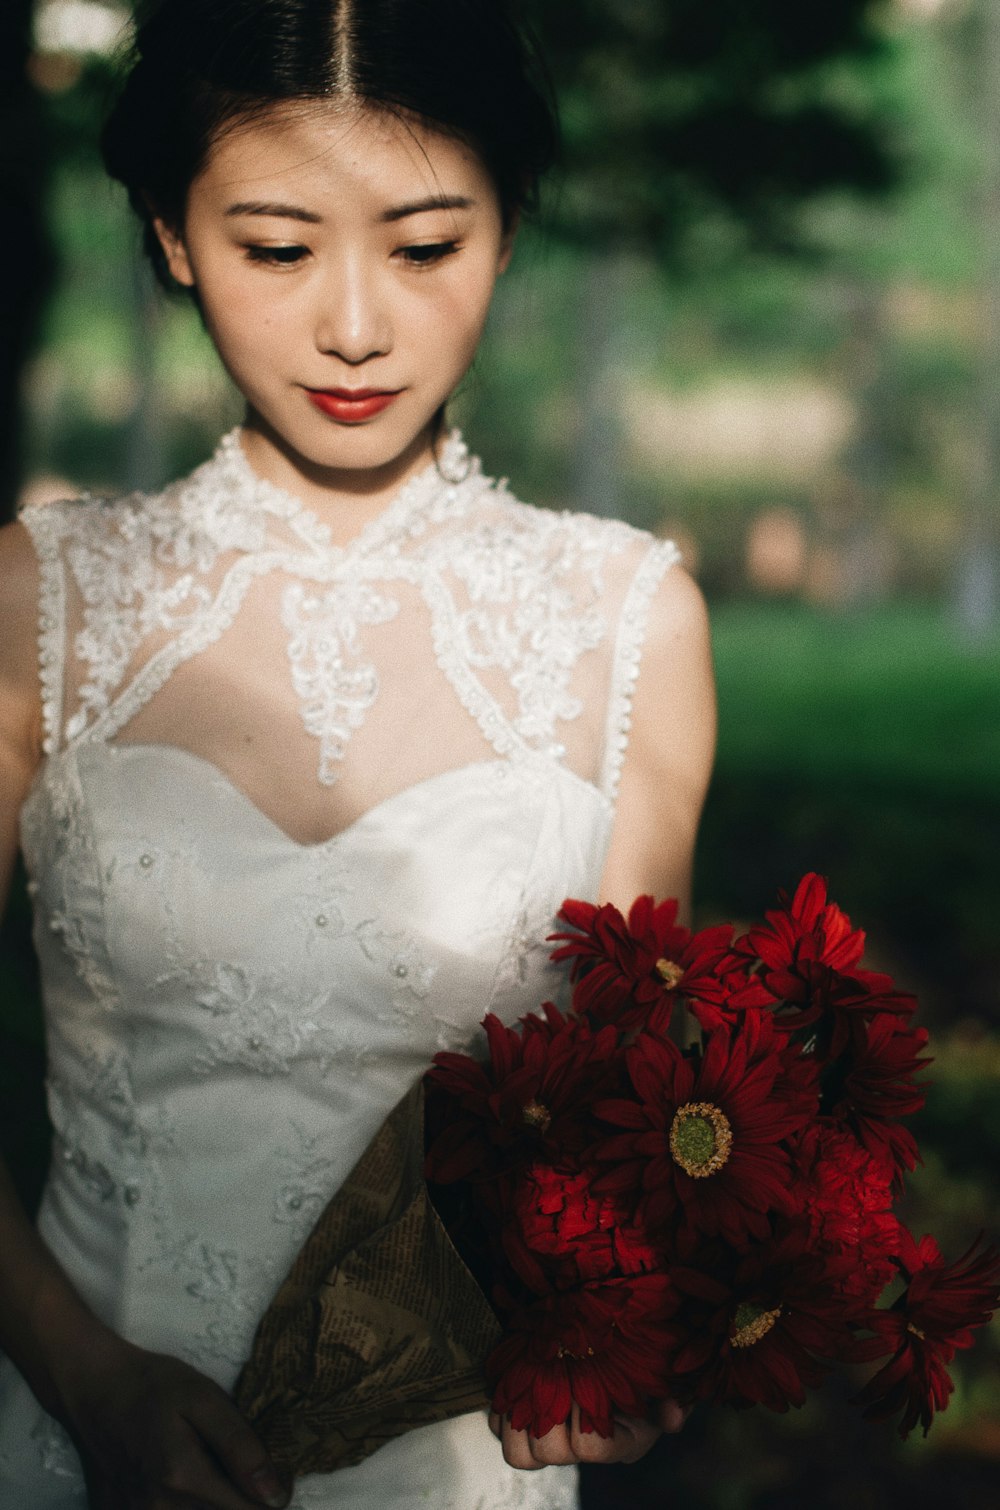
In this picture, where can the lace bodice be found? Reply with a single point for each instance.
(458, 624)
(307, 813)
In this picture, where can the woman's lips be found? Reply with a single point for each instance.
(352, 404)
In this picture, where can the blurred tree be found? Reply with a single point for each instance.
(25, 264)
(689, 129)
(674, 110)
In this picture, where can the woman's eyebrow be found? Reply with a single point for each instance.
(280, 211)
(432, 202)
(397, 212)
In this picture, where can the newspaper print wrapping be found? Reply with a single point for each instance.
(378, 1328)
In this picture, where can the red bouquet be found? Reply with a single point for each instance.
(706, 1221)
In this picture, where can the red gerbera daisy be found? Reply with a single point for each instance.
(924, 1329)
(707, 1130)
(531, 1098)
(602, 1347)
(810, 969)
(623, 968)
(878, 1088)
(806, 930)
(762, 1333)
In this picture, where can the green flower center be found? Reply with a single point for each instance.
(751, 1323)
(701, 1139)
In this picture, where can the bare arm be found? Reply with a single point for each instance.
(146, 1426)
(31, 1285)
(671, 749)
(662, 793)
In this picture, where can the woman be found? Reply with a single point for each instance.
(322, 736)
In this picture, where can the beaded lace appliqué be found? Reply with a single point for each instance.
(334, 694)
(532, 585)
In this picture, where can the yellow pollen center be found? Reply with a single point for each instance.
(701, 1139)
(916, 1331)
(564, 1352)
(670, 973)
(537, 1115)
(751, 1323)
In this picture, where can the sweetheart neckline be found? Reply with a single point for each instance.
(243, 799)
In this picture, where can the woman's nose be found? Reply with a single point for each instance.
(352, 321)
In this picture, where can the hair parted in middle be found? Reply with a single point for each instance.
(198, 68)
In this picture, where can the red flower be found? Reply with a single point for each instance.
(878, 1088)
(762, 1334)
(531, 1098)
(806, 931)
(603, 1346)
(844, 1196)
(622, 969)
(579, 1234)
(924, 1329)
(707, 1131)
(809, 969)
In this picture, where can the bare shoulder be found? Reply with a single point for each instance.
(673, 714)
(678, 617)
(20, 696)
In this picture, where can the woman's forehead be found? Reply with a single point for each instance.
(323, 149)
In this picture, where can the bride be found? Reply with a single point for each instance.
(317, 741)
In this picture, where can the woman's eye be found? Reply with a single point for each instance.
(426, 254)
(277, 256)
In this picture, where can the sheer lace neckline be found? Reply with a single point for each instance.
(444, 480)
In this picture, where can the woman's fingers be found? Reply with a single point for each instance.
(569, 1444)
(632, 1440)
(515, 1443)
(555, 1447)
(670, 1417)
(238, 1450)
(194, 1478)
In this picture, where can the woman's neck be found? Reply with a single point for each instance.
(345, 499)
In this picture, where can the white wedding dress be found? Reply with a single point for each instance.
(307, 813)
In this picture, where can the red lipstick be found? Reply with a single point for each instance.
(352, 405)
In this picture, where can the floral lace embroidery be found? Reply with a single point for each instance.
(58, 842)
(307, 1179)
(56, 1451)
(251, 1022)
(397, 956)
(334, 695)
(229, 1287)
(542, 629)
(534, 581)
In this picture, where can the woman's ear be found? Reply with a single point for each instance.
(174, 249)
(507, 244)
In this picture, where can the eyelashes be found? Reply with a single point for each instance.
(420, 255)
(276, 256)
(428, 253)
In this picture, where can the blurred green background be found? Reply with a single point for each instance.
(760, 311)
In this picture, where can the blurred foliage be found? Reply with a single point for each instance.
(866, 746)
(25, 266)
(676, 111)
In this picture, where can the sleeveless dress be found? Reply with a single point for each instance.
(307, 812)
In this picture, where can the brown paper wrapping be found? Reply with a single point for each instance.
(378, 1328)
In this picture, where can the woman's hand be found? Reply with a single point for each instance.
(155, 1434)
(568, 1444)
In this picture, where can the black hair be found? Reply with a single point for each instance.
(198, 67)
